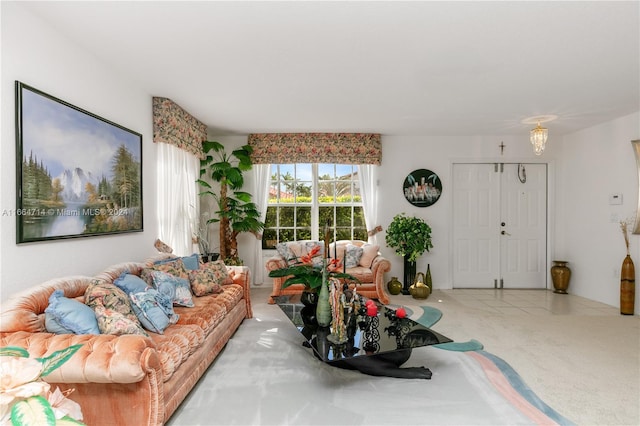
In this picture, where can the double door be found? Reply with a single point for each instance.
(499, 225)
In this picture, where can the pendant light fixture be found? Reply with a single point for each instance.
(538, 138)
(539, 135)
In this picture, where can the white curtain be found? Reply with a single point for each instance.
(368, 182)
(261, 199)
(178, 209)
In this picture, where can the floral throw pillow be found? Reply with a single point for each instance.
(353, 254)
(209, 278)
(284, 251)
(107, 295)
(176, 288)
(112, 322)
(172, 266)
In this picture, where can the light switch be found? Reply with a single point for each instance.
(615, 198)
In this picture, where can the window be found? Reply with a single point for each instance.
(303, 198)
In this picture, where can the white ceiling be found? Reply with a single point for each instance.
(396, 68)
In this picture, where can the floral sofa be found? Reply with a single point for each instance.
(134, 375)
(362, 260)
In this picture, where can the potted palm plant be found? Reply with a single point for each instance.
(236, 212)
(410, 237)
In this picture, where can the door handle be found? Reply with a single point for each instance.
(505, 233)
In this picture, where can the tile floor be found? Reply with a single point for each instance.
(523, 302)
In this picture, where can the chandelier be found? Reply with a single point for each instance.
(538, 138)
(539, 135)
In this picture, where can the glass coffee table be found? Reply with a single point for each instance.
(375, 345)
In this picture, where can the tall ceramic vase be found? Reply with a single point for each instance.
(627, 286)
(323, 310)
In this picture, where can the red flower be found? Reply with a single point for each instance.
(307, 258)
(334, 265)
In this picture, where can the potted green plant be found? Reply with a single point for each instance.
(236, 212)
(410, 237)
(310, 274)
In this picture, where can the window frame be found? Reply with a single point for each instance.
(315, 204)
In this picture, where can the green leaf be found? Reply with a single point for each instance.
(57, 358)
(34, 410)
(68, 421)
(212, 146)
(243, 196)
(14, 351)
(203, 183)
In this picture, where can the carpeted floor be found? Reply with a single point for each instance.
(266, 377)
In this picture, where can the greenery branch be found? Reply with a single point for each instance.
(409, 236)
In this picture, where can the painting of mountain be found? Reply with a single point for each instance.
(74, 183)
(79, 174)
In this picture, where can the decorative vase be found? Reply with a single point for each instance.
(627, 286)
(560, 275)
(419, 290)
(394, 286)
(323, 310)
(409, 274)
(427, 279)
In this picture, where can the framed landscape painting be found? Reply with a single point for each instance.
(78, 175)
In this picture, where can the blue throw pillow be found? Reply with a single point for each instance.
(68, 316)
(130, 283)
(149, 312)
(191, 263)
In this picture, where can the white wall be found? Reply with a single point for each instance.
(585, 168)
(402, 154)
(36, 54)
(595, 163)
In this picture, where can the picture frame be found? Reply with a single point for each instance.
(422, 188)
(78, 174)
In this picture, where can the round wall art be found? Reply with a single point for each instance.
(422, 188)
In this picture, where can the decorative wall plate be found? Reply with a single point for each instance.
(422, 188)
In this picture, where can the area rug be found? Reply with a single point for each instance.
(265, 376)
(428, 316)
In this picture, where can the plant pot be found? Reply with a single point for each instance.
(409, 274)
(309, 298)
(209, 257)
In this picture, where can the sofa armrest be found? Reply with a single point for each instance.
(379, 266)
(241, 275)
(380, 262)
(103, 358)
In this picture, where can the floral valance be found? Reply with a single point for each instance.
(340, 148)
(175, 126)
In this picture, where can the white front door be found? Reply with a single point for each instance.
(500, 225)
